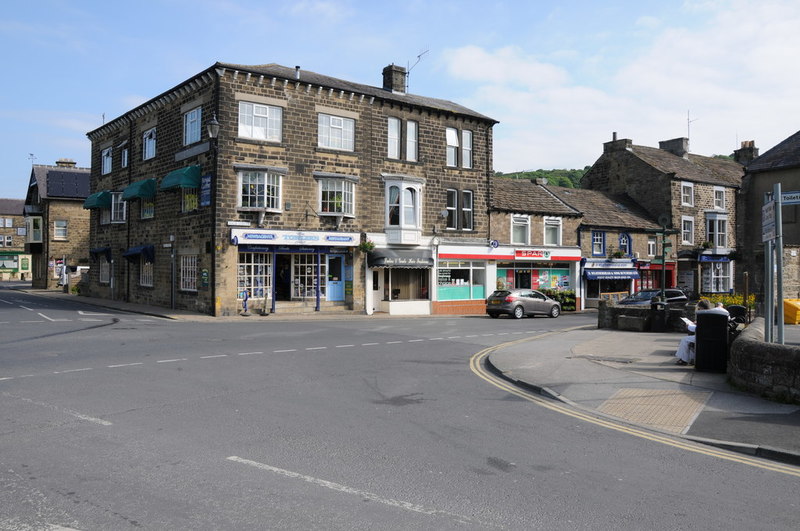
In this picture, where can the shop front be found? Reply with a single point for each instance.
(608, 279)
(278, 266)
(652, 273)
(465, 277)
(541, 268)
(400, 280)
(716, 273)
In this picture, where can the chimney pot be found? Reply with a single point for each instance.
(297, 72)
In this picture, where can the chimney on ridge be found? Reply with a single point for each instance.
(747, 153)
(65, 163)
(676, 146)
(394, 79)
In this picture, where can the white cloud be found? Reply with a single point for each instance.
(732, 70)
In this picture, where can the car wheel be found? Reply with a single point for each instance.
(519, 313)
(494, 315)
(555, 311)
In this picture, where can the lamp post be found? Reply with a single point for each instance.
(212, 128)
(213, 131)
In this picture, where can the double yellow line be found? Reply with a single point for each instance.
(477, 366)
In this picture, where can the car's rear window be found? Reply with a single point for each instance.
(500, 294)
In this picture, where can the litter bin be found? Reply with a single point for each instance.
(711, 342)
(658, 316)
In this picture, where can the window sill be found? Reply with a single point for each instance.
(259, 141)
(321, 149)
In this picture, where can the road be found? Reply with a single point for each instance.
(122, 421)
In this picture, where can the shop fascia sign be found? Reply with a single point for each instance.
(294, 237)
(602, 263)
(559, 254)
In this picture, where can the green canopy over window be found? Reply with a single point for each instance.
(98, 200)
(188, 177)
(140, 190)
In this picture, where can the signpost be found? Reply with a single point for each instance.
(772, 237)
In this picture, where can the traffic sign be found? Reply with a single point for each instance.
(768, 221)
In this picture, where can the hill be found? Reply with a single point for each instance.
(565, 178)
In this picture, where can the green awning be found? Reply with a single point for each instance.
(98, 200)
(140, 190)
(188, 177)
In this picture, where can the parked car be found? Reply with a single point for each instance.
(675, 297)
(518, 303)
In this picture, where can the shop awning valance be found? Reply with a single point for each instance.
(98, 252)
(405, 258)
(98, 200)
(148, 252)
(611, 274)
(187, 177)
(144, 189)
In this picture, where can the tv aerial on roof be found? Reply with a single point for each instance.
(408, 70)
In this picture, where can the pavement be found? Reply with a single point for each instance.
(625, 376)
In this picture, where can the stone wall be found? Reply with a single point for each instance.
(768, 369)
(608, 316)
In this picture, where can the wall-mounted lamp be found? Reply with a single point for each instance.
(213, 127)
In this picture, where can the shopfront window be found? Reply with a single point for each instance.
(255, 275)
(461, 280)
(406, 284)
(532, 275)
(716, 277)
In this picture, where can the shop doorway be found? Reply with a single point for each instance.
(335, 288)
(283, 280)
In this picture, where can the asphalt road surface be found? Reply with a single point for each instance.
(122, 421)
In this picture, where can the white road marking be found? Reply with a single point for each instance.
(344, 346)
(393, 342)
(286, 350)
(61, 410)
(124, 365)
(368, 344)
(415, 340)
(172, 360)
(436, 339)
(90, 320)
(81, 312)
(5, 301)
(453, 337)
(32, 321)
(248, 353)
(316, 348)
(73, 370)
(214, 356)
(26, 308)
(50, 319)
(472, 335)
(355, 492)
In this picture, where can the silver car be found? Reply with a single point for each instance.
(521, 302)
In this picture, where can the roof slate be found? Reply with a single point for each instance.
(11, 207)
(313, 78)
(784, 155)
(524, 196)
(695, 168)
(603, 209)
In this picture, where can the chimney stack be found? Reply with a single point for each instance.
(676, 146)
(65, 163)
(747, 153)
(297, 72)
(394, 79)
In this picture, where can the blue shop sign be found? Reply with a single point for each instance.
(713, 258)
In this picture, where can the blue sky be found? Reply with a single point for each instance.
(559, 76)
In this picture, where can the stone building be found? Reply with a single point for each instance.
(287, 190)
(57, 227)
(692, 195)
(619, 244)
(594, 243)
(780, 164)
(14, 263)
(536, 235)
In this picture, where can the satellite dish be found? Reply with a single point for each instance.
(664, 220)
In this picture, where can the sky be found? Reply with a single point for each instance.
(559, 77)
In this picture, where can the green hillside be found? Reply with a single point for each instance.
(566, 178)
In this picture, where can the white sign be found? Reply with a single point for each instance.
(294, 237)
(790, 198)
(768, 222)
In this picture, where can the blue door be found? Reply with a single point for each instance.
(335, 269)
